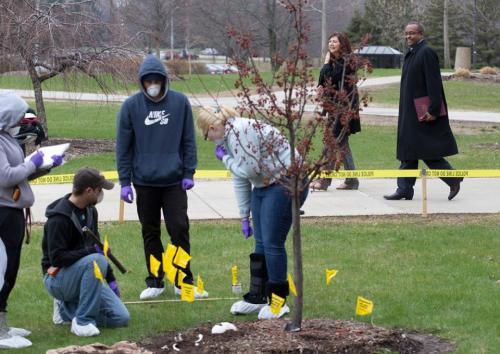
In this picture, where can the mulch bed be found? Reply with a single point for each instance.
(316, 336)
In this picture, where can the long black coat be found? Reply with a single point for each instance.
(331, 74)
(422, 140)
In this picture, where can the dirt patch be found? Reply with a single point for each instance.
(316, 336)
(81, 147)
(476, 77)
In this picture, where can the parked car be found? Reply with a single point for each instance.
(221, 68)
(209, 51)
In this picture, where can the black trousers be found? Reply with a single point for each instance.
(151, 201)
(11, 236)
(406, 184)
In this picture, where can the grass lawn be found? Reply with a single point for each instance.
(197, 84)
(439, 275)
(460, 95)
(373, 148)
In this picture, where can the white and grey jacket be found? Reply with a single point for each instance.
(257, 154)
(14, 171)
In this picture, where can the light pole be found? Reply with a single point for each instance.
(474, 21)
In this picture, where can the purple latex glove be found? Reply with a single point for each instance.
(220, 152)
(127, 194)
(99, 250)
(57, 160)
(37, 159)
(114, 287)
(246, 228)
(187, 183)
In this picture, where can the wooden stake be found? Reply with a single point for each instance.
(121, 212)
(424, 193)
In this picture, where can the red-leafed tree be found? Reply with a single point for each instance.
(304, 116)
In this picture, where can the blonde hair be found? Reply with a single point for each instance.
(210, 115)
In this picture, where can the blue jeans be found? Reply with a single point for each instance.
(86, 297)
(272, 218)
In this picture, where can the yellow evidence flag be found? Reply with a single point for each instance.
(187, 292)
(154, 265)
(105, 246)
(330, 274)
(181, 258)
(363, 306)
(97, 272)
(234, 275)
(291, 285)
(200, 285)
(277, 303)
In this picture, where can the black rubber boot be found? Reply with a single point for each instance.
(258, 280)
(281, 289)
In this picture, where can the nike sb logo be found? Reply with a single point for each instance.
(157, 116)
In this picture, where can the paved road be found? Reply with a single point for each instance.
(215, 200)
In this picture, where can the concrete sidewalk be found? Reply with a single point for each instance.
(215, 200)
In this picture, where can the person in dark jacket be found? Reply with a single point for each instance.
(70, 259)
(156, 151)
(337, 82)
(428, 138)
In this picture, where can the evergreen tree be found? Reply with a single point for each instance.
(433, 26)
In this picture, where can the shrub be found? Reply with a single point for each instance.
(488, 70)
(181, 67)
(461, 72)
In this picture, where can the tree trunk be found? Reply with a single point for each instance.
(271, 33)
(40, 106)
(446, 37)
(298, 274)
(323, 31)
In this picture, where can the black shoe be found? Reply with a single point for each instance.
(455, 189)
(397, 195)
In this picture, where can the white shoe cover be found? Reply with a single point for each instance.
(56, 314)
(197, 295)
(14, 342)
(266, 314)
(151, 293)
(21, 332)
(87, 330)
(244, 308)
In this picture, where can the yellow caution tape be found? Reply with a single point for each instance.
(223, 174)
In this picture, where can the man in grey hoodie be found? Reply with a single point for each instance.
(15, 195)
(156, 151)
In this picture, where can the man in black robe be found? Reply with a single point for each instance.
(427, 137)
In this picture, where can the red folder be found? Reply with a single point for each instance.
(422, 105)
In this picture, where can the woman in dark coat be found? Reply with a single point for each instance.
(337, 84)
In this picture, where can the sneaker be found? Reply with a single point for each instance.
(151, 293)
(87, 330)
(266, 314)
(56, 314)
(244, 308)
(197, 295)
(21, 332)
(14, 342)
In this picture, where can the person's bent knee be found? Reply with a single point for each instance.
(98, 258)
(122, 318)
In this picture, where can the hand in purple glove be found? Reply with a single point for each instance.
(114, 287)
(246, 228)
(187, 183)
(57, 160)
(37, 159)
(220, 152)
(98, 249)
(127, 194)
